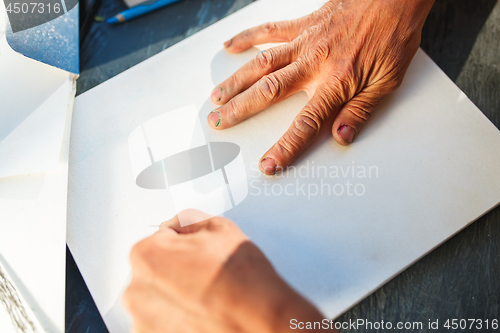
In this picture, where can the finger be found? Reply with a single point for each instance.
(270, 89)
(264, 63)
(303, 131)
(353, 115)
(272, 32)
(209, 224)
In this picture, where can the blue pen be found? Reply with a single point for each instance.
(139, 10)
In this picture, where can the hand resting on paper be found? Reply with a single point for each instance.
(208, 277)
(346, 56)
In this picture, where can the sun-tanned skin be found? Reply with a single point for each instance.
(209, 277)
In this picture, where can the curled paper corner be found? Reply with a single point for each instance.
(170, 153)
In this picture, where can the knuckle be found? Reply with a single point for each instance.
(359, 110)
(270, 28)
(217, 224)
(306, 125)
(287, 147)
(313, 31)
(269, 88)
(322, 51)
(245, 34)
(302, 69)
(233, 110)
(266, 60)
(233, 81)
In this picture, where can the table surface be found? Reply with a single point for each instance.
(458, 280)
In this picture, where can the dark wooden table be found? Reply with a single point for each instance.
(460, 279)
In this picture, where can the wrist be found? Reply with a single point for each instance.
(295, 312)
(257, 299)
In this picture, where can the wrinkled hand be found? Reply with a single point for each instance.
(209, 278)
(347, 56)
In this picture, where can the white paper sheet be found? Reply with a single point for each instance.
(425, 166)
(33, 234)
(33, 98)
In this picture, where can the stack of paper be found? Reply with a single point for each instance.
(35, 116)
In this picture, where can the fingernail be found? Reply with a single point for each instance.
(214, 118)
(268, 165)
(217, 94)
(228, 43)
(347, 133)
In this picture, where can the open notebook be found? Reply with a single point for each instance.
(343, 223)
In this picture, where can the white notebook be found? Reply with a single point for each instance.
(425, 166)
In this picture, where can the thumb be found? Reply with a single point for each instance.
(195, 221)
(355, 113)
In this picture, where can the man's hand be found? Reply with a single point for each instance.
(347, 56)
(209, 278)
